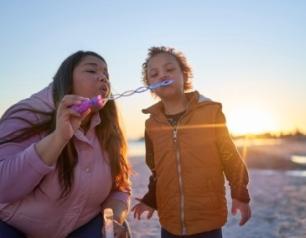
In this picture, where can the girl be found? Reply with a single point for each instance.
(188, 149)
(60, 168)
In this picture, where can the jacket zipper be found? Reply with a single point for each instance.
(179, 172)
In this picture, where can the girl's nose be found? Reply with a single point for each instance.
(102, 78)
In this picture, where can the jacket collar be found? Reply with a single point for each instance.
(195, 99)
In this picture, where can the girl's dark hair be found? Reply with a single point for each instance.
(180, 58)
(109, 133)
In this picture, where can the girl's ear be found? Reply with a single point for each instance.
(185, 80)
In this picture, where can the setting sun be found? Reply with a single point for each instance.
(250, 120)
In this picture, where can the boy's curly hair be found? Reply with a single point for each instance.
(180, 58)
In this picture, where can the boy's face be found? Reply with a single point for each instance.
(164, 66)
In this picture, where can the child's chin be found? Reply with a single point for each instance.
(169, 93)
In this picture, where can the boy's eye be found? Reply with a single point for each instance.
(153, 75)
(170, 69)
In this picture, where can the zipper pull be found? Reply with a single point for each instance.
(174, 134)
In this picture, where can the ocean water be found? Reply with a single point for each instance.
(136, 148)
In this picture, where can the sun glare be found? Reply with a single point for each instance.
(250, 120)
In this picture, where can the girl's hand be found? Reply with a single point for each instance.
(244, 209)
(67, 120)
(140, 208)
(119, 230)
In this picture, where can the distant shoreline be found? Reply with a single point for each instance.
(297, 135)
(259, 153)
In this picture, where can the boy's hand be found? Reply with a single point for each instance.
(244, 209)
(140, 208)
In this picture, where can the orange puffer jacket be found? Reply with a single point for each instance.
(189, 161)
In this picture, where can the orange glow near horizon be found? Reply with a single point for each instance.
(251, 120)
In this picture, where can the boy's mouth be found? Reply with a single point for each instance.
(161, 84)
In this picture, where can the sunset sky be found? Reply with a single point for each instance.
(249, 55)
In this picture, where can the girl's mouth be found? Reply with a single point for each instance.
(105, 90)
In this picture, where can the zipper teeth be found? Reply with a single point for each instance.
(179, 171)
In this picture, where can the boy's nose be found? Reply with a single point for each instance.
(164, 77)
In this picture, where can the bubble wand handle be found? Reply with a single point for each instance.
(88, 103)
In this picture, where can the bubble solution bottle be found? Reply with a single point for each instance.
(108, 216)
(88, 103)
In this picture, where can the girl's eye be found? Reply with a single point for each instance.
(91, 71)
(153, 75)
(170, 69)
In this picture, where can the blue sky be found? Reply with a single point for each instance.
(249, 55)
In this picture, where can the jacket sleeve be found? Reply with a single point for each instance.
(234, 168)
(150, 197)
(122, 196)
(21, 168)
(120, 202)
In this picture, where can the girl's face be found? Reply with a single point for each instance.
(164, 66)
(90, 78)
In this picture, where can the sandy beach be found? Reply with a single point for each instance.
(278, 195)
